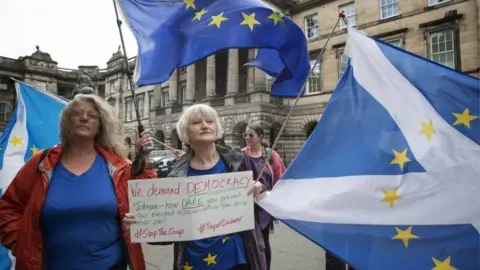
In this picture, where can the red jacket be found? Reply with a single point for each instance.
(22, 203)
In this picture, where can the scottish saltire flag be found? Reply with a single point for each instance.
(390, 177)
(34, 125)
(176, 33)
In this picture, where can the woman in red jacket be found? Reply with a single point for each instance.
(63, 208)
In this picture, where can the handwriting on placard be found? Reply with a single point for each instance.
(191, 208)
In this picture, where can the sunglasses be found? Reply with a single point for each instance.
(248, 135)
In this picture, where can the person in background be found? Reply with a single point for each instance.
(200, 127)
(63, 209)
(258, 152)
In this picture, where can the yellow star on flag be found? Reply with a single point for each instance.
(34, 149)
(217, 20)
(189, 4)
(445, 265)
(187, 267)
(249, 20)
(16, 141)
(210, 259)
(225, 239)
(391, 197)
(464, 118)
(199, 14)
(400, 158)
(276, 17)
(404, 235)
(427, 130)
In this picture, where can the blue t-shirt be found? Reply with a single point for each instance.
(80, 222)
(216, 253)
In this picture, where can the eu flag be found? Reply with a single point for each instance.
(390, 177)
(173, 33)
(34, 125)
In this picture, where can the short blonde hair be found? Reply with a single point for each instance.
(195, 111)
(109, 137)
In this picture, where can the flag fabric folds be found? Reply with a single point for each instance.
(173, 33)
(34, 125)
(390, 176)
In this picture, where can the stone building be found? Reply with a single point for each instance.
(445, 31)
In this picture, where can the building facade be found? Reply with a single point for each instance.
(444, 31)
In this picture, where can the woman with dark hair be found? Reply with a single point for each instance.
(258, 152)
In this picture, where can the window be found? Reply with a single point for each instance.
(164, 100)
(181, 94)
(140, 103)
(436, 2)
(442, 47)
(3, 86)
(128, 109)
(41, 86)
(4, 111)
(311, 26)
(388, 8)
(342, 65)
(150, 100)
(349, 10)
(314, 83)
(396, 42)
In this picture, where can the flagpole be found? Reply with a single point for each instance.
(341, 16)
(138, 165)
(68, 100)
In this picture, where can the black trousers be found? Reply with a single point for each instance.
(268, 250)
(332, 263)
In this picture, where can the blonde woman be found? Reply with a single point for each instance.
(200, 128)
(63, 209)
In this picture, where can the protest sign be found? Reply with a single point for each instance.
(191, 208)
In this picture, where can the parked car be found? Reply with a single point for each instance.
(162, 165)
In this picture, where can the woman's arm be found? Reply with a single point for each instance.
(15, 199)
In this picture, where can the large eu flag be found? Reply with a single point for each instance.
(175, 33)
(390, 177)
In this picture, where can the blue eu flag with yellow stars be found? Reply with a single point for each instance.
(174, 33)
(390, 176)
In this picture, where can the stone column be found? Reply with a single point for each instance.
(251, 72)
(172, 87)
(211, 78)
(157, 96)
(232, 76)
(189, 97)
(260, 86)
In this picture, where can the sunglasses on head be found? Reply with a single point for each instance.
(248, 135)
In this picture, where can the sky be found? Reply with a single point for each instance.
(73, 32)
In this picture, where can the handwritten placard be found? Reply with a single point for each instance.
(191, 208)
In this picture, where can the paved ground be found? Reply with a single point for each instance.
(290, 251)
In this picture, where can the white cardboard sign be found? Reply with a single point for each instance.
(191, 208)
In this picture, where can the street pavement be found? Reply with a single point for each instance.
(290, 251)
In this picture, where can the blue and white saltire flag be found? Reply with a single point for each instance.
(34, 125)
(175, 33)
(390, 177)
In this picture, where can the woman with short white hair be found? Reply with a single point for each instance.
(200, 127)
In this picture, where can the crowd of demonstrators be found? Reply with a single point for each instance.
(64, 207)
